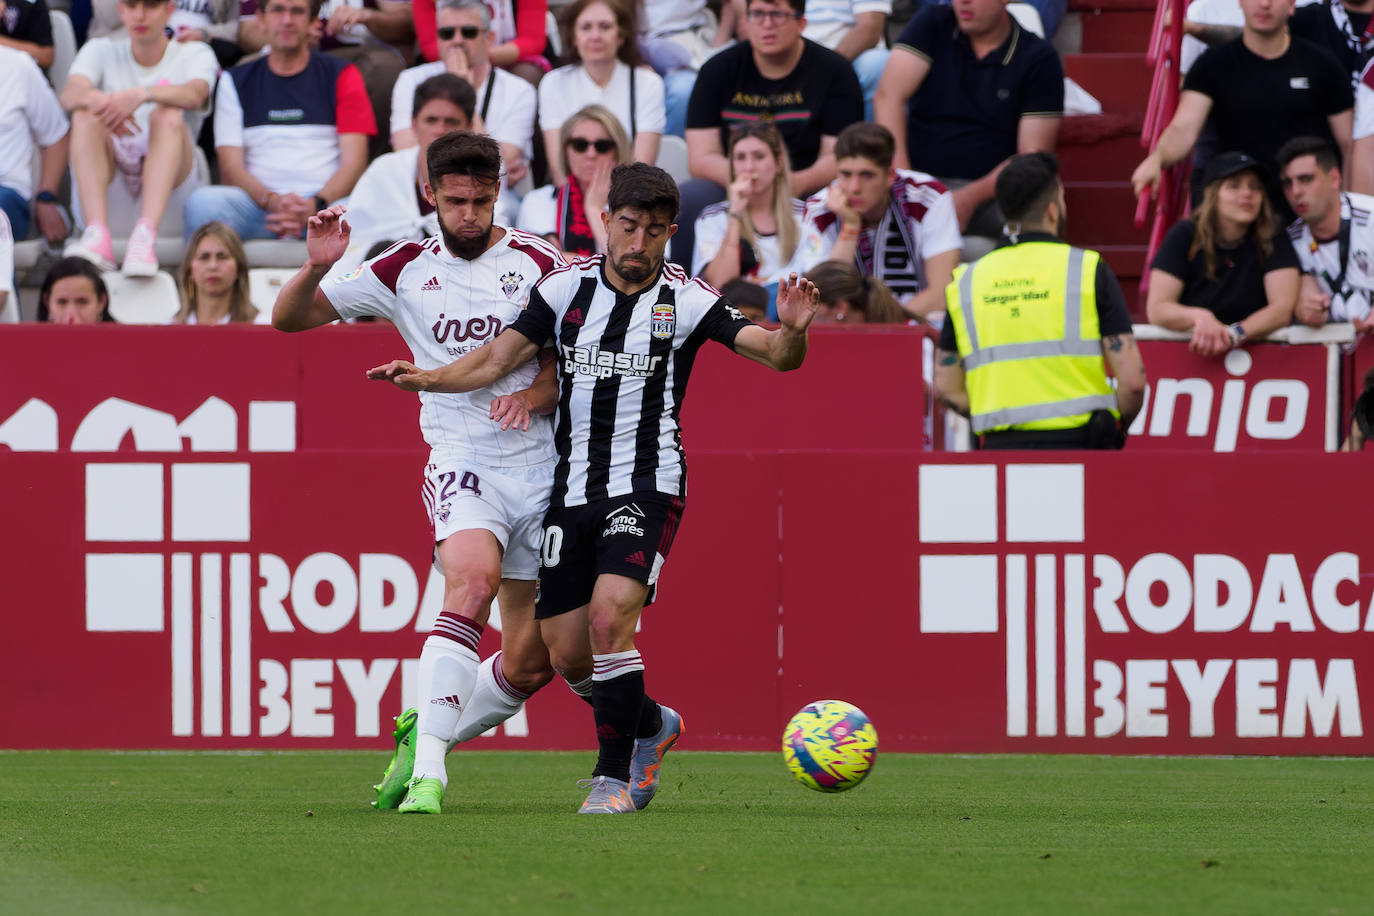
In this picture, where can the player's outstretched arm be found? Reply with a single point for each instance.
(476, 369)
(300, 304)
(785, 348)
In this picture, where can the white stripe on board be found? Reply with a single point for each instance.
(1046, 647)
(183, 691)
(1017, 711)
(211, 644)
(1075, 668)
(240, 646)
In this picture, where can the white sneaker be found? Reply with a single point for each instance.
(140, 256)
(94, 246)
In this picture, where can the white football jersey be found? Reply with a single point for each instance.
(445, 306)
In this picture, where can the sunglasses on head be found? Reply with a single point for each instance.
(580, 144)
(469, 32)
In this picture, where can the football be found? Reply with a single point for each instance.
(830, 745)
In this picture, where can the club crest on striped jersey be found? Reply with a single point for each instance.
(510, 282)
(663, 320)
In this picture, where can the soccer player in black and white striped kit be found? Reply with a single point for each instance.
(626, 327)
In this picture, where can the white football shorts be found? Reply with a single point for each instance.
(509, 502)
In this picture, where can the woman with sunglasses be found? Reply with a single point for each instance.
(590, 144)
(604, 70)
(753, 234)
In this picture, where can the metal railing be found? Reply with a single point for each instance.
(1166, 38)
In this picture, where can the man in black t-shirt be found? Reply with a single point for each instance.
(807, 91)
(1340, 27)
(25, 26)
(964, 91)
(1253, 94)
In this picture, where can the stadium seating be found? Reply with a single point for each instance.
(672, 157)
(63, 48)
(142, 300)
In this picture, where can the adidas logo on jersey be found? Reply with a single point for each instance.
(452, 702)
(637, 559)
(431, 285)
(575, 316)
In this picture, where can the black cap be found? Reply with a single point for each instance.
(1224, 165)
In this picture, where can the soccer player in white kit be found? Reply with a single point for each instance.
(490, 469)
(628, 328)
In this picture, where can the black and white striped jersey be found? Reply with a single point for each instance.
(623, 367)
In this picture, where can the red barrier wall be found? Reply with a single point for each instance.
(249, 567)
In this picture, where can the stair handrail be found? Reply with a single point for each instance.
(1163, 53)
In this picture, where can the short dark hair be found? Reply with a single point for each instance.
(462, 152)
(1319, 149)
(73, 267)
(446, 86)
(871, 141)
(1027, 185)
(644, 187)
(798, 6)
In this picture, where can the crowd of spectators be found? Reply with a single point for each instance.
(1282, 154)
(813, 143)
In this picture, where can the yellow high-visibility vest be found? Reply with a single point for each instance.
(1025, 318)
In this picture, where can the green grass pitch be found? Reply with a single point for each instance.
(155, 833)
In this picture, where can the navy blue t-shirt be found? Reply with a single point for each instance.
(962, 121)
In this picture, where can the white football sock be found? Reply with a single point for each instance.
(493, 701)
(582, 688)
(447, 673)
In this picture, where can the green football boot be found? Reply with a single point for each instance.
(425, 795)
(396, 779)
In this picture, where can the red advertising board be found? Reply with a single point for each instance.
(213, 538)
(1262, 397)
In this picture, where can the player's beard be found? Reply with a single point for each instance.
(465, 248)
(636, 272)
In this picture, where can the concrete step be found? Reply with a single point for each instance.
(1099, 158)
(1088, 6)
(1126, 261)
(1119, 80)
(1104, 31)
(1101, 213)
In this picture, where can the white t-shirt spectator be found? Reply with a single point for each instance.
(508, 114)
(9, 308)
(711, 225)
(920, 219)
(29, 115)
(289, 126)
(667, 17)
(827, 21)
(566, 90)
(539, 212)
(1364, 103)
(110, 66)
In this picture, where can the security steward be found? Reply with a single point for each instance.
(1033, 326)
